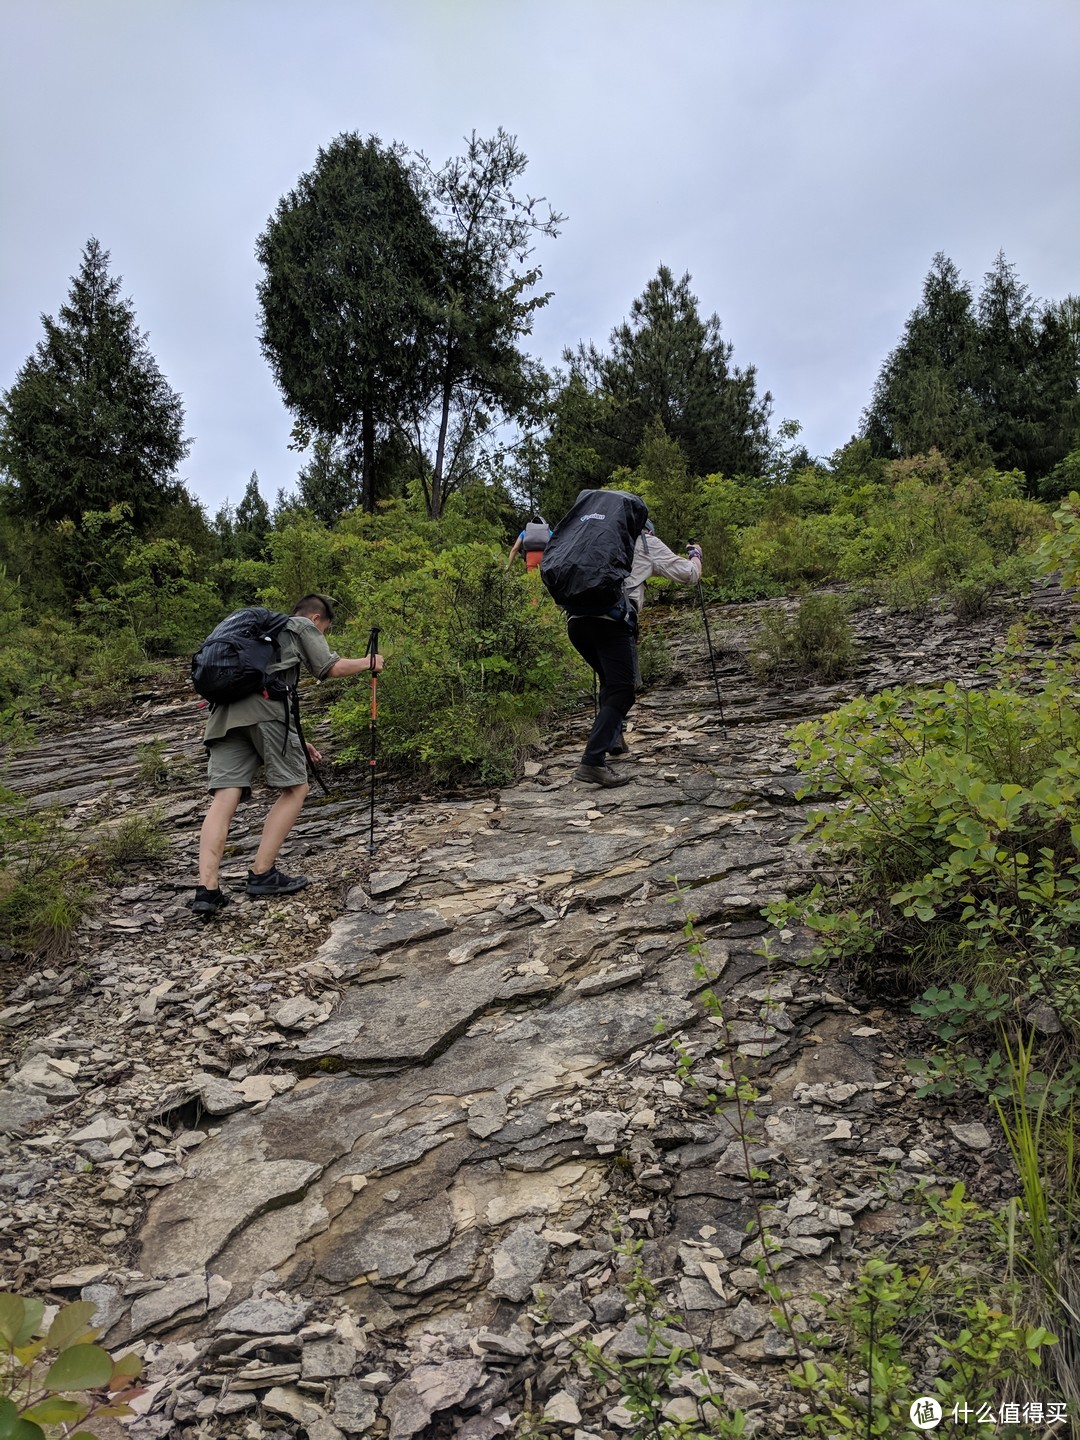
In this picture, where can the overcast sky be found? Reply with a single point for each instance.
(802, 159)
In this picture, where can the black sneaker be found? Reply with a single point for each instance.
(273, 882)
(600, 775)
(208, 902)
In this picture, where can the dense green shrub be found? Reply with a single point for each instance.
(817, 641)
(934, 526)
(957, 833)
(918, 530)
(477, 658)
(43, 894)
(798, 549)
(134, 840)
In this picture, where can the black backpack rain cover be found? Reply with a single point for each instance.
(591, 550)
(231, 662)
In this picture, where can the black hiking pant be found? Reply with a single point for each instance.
(608, 647)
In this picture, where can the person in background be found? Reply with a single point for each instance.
(533, 541)
(609, 645)
(257, 731)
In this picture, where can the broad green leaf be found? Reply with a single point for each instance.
(55, 1410)
(12, 1314)
(32, 1313)
(72, 1325)
(81, 1367)
(19, 1429)
(128, 1367)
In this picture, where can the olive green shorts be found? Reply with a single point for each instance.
(233, 760)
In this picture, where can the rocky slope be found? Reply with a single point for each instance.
(366, 1160)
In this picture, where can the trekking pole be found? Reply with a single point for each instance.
(372, 650)
(712, 657)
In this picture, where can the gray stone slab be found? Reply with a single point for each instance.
(409, 1019)
(158, 1306)
(354, 1409)
(518, 1263)
(388, 1245)
(262, 1316)
(22, 1111)
(359, 938)
(193, 1220)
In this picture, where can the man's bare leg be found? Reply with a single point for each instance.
(214, 833)
(282, 817)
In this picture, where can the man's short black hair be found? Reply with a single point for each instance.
(315, 606)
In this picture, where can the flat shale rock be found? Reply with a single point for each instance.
(398, 1141)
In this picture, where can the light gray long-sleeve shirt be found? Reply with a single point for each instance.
(652, 557)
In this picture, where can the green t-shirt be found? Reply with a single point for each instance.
(301, 645)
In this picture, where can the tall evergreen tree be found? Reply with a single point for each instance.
(1028, 379)
(667, 364)
(351, 260)
(252, 521)
(90, 420)
(328, 484)
(579, 453)
(484, 305)
(926, 394)
(994, 382)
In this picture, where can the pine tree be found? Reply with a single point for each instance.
(992, 383)
(676, 498)
(1028, 380)
(252, 523)
(90, 420)
(667, 364)
(328, 484)
(926, 394)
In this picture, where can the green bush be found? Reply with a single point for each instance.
(817, 641)
(958, 827)
(157, 768)
(477, 659)
(135, 840)
(799, 549)
(1060, 549)
(892, 1321)
(654, 656)
(43, 894)
(918, 530)
(936, 526)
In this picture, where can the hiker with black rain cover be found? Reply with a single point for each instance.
(595, 567)
(249, 668)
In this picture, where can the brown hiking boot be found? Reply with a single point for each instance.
(600, 775)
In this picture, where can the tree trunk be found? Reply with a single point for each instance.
(367, 442)
(437, 496)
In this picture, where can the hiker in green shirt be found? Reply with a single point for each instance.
(258, 731)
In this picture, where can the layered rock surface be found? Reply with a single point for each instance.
(359, 1161)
